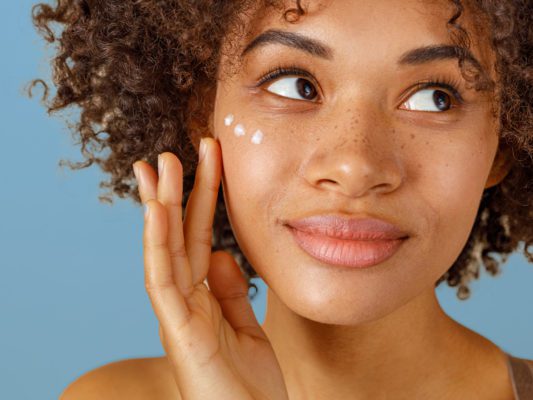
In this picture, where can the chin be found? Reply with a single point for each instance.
(339, 305)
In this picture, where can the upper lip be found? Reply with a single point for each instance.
(348, 228)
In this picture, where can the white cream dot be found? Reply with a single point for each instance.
(228, 120)
(239, 130)
(257, 137)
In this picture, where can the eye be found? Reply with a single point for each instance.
(294, 88)
(432, 100)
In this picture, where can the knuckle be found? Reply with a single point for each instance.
(177, 252)
(235, 296)
(150, 288)
(154, 289)
(212, 187)
(202, 237)
(155, 246)
(208, 184)
(205, 231)
(152, 203)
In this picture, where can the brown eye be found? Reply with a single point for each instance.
(306, 89)
(294, 88)
(432, 100)
(442, 100)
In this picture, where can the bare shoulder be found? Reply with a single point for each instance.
(134, 379)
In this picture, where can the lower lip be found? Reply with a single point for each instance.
(346, 253)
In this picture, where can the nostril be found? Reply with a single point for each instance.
(383, 187)
(327, 182)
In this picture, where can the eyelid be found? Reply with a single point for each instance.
(279, 71)
(292, 70)
(438, 83)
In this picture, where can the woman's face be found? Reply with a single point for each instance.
(353, 135)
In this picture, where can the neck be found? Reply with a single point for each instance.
(414, 351)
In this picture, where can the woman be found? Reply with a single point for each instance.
(355, 154)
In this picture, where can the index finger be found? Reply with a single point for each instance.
(146, 180)
(200, 209)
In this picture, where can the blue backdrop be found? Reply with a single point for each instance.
(72, 283)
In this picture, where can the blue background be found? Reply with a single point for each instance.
(72, 283)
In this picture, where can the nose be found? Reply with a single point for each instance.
(357, 161)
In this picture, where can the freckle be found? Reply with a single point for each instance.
(403, 145)
(257, 137)
(228, 120)
(239, 130)
(427, 142)
(412, 135)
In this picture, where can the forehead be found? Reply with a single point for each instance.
(379, 29)
(356, 18)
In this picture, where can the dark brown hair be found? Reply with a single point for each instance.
(142, 72)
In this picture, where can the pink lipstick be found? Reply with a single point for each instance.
(349, 242)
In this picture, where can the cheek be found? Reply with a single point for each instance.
(450, 180)
(255, 162)
(460, 175)
(247, 151)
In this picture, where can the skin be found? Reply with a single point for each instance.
(329, 332)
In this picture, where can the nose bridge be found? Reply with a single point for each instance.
(357, 154)
(360, 129)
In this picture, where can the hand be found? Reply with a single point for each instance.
(212, 339)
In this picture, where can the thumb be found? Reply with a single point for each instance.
(230, 288)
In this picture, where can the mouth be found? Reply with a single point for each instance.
(348, 242)
(346, 252)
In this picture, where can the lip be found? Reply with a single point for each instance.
(348, 242)
(347, 228)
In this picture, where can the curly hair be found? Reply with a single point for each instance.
(142, 73)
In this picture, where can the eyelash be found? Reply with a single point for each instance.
(439, 81)
(282, 71)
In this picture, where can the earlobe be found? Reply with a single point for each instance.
(502, 165)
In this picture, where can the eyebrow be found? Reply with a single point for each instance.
(438, 52)
(317, 48)
(291, 39)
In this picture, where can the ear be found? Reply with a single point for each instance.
(501, 166)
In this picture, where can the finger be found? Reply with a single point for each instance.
(167, 301)
(169, 193)
(230, 288)
(146, 180)
(199, 212)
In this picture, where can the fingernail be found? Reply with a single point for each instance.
(203, 150)
(160, 164)
(138, 175)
